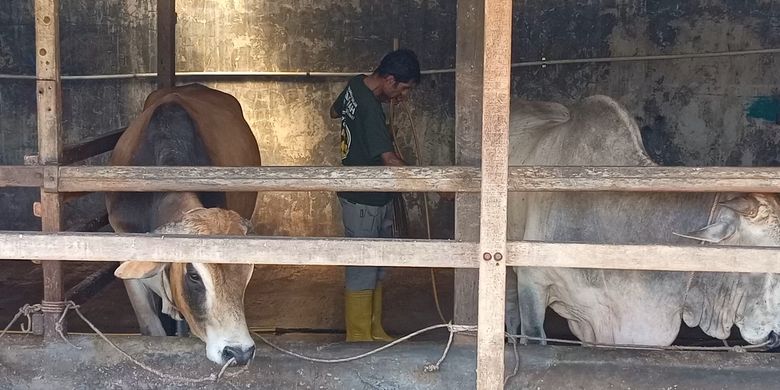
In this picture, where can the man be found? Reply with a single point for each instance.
(366, 141)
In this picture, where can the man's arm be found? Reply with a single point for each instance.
(333, 113)
(392, 159)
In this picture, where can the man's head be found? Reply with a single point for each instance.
(400, 72)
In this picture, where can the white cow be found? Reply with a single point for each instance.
(630, 307)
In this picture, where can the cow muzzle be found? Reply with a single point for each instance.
(241, 354)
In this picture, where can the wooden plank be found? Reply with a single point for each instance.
(21, 176)
(401, 179)
(493, 218)
(416, 179)
(215, 249)
(91, 147)
(468, 133)
(645, 257)
(49, 96)
(400, 253)
(166, 43)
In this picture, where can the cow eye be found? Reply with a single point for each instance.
(193, 276)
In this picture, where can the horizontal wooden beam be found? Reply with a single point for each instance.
(407, 179)
(397, 179)
(417, 179)
(21, 176)
(645, 257)
(385, 252)
(257, 250)
(91, 147)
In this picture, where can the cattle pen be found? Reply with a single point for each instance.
(480, 253)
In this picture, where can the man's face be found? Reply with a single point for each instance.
(395, 91)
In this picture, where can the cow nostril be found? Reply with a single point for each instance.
(774, 341)
(241, 355)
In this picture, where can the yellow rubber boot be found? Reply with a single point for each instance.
(377, 332)
(357, 315)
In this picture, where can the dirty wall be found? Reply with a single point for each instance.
(713, 111)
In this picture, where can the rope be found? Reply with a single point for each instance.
(435, 367)
(517, 364)
(64, 307)
(25, 310)
(176, 378)
(363, 355)
(425, 207)
(639, 347)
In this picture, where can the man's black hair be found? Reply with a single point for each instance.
(402, 64)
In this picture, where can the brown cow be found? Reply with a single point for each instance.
(190, 125)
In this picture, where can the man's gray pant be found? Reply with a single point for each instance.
(365, 221)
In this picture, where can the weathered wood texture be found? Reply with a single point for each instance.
(21, 176)
(405, 179)
(90, 147)
(493, 218)
(468, 125)
(166, 43)
(402, 253)
(418, 179)
(49, 88)
(277, 250)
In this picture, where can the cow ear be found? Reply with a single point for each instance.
(138, 269)
(744, 205)
(714, 233)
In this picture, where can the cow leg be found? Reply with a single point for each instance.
(512, 308)
(532, 301)
(143, 301)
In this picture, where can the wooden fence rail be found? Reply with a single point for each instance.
(385, 252)
(400, 179)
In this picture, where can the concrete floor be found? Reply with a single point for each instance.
(27, 363)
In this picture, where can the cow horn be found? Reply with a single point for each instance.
(714, 233)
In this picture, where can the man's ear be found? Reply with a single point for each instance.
(138, 269)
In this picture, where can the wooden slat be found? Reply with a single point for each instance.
(47, 49)
(645, 257)
(21, 176)
(276, 250)
(401, 253)
(166, 43)
(91, 147)
(468, 134)
(417, 179)
(640, 179)
(493, 208)
(401, 179)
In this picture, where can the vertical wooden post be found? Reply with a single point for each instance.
(49, 95)
(166, 43)
(492, 243)
(468, 125)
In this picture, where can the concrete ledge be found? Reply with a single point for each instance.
(26, 362)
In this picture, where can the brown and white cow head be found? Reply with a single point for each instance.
(749, 219)
(209, 296)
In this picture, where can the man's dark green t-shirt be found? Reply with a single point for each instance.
(364, 135)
